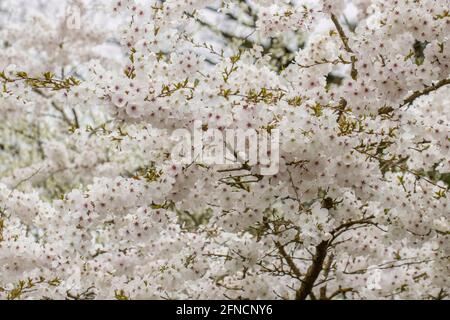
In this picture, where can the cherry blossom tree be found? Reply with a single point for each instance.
(94, 203)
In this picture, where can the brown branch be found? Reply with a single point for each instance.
(76, 122)
(390, 265)
(64, 116)
(344, 39)
(343, 227)
(318, 260)
(342, 291)
(341, 32)
(313, 271)
(225, 34)
(323, 290)
(425, 92)
(289, 260)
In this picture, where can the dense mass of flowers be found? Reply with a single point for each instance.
(93, 206)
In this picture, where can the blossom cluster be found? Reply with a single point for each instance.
(94, 206)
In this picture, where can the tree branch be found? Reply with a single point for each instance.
(289, 260)
(425, 92)
(313, 271)
(341, 32)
